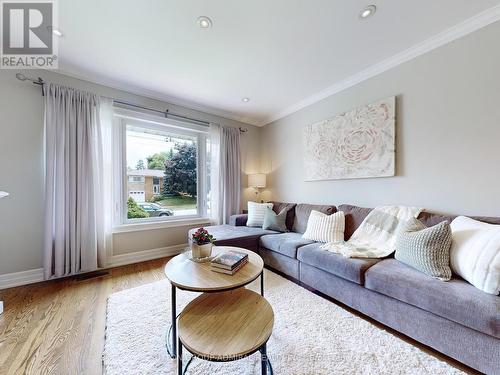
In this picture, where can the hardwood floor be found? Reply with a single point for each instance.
(57, 327)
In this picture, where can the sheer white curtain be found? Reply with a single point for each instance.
(225, 173)
(106, 118)
(215, 206)
(75, 217)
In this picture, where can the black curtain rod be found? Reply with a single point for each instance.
(165, 113)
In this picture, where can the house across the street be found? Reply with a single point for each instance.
(144, 184)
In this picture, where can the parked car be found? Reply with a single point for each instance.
(154, 209)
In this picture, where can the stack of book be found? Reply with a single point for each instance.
(229, 262)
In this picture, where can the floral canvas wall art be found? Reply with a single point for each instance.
(356, 144)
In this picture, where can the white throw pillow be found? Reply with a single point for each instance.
(256, 213)
(475, 253)
(325, 228)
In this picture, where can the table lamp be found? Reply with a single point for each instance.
(257, 181)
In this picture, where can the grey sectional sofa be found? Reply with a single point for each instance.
(452, 317)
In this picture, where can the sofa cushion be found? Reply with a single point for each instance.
(325, 228)
(290, 216)
(475, 253)
(354, 216)
(425, 249)
(302, 212)
(284, 243)
(238, 220)
(256, 213)
(228, 235)
(455, 300)
(430, 218)
(274, 221)
(352, 269)
(487, 219)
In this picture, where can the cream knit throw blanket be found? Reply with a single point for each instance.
(376, 236)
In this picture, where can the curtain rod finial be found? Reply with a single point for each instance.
(22, 77)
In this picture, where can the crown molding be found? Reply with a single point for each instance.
(453, 33)
(150, 94)
(458, 31)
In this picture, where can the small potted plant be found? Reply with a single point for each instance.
(201, 244)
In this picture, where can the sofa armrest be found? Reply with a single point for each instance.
(238, 220)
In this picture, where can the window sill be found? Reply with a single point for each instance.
(134, 227)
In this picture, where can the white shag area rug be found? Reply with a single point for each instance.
(311, 336)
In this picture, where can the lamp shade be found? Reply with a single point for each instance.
(257, 180)
(3, 194)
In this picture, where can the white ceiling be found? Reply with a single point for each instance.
(282, 54)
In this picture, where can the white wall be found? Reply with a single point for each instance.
(448, 134)
(448, 158)
(21, 170)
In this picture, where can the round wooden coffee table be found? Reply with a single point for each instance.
(225, 326)
(186, 274)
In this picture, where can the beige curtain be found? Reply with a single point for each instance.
(74, 217)
(225, 173)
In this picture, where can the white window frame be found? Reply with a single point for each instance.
(124, 117)
(140, 181)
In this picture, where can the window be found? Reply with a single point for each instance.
(164, 166)
(135, 179)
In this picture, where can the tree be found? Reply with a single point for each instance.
(140, 165)
(134, 211)
(157, 161)
(180, 171)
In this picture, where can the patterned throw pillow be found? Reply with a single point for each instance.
(273, 221)
(426, 249)
(325, 228)
(256, 213)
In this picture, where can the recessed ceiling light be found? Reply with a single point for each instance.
(204, 22)
(246, 100)
(368, 11)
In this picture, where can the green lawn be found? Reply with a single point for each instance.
(177, 202)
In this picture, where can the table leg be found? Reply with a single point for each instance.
(264, 359)
(172, 331)
(174, 321)
(262, 283)
(180, 370)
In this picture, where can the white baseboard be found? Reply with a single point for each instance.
(142, 256)
(11, 280)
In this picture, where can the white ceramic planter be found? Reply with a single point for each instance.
(201, 252)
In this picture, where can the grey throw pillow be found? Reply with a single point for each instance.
(273, 221)
(426, 249)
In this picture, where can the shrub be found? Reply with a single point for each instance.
(134, 211)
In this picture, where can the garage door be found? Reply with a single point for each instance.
(137, 195)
